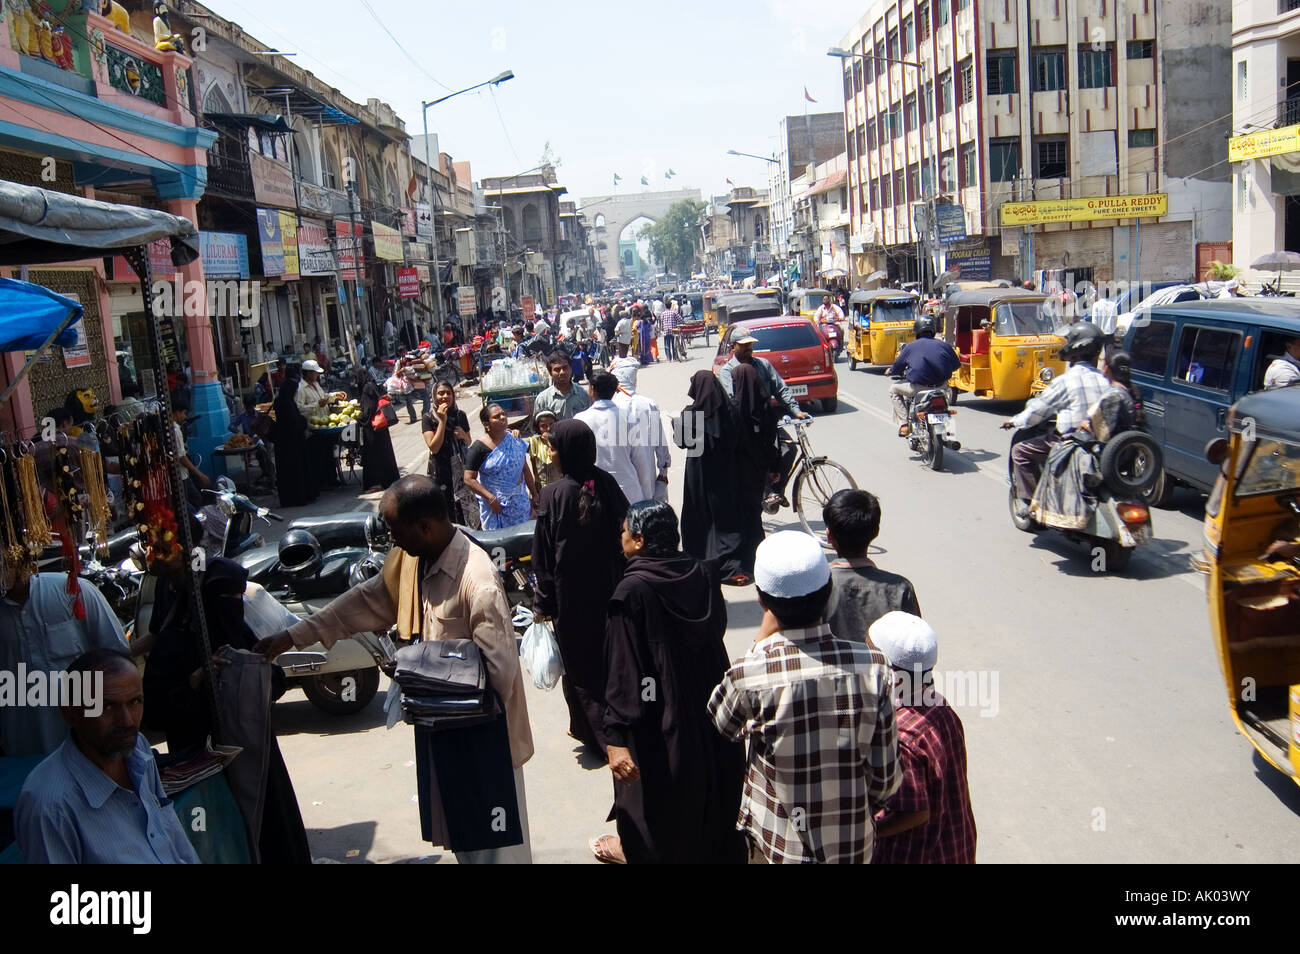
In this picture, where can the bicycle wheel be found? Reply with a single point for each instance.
(816, 483)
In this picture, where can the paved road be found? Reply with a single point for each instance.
(1103, 734)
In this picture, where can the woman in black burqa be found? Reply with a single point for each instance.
(677, 782)
(577, 561)
(178, 703)
(378, 462)
(756, 457)
(709, 430)
(293, 479)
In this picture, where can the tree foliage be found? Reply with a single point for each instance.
(675, 238)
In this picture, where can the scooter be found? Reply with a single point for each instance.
(1119, 522)
(933, 426)
(831, 332)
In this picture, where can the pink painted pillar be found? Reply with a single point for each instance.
(198, 328)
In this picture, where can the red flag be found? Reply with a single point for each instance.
(729, 182)
(807, 95)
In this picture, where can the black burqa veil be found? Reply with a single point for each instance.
(666, 624)
(183, 712)
(756, 457)
(577, 562)
(293, 480)
(378, 462)
(709, 431)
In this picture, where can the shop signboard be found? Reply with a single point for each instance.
(408, 283)
(348, 237)
(424, 221)
(975, 262)
(314, 254)
(408, 222)
(1264, 143)
(466, 300)
(528, 306)
(289, 243)
(268, 233)
(388, 242)
(1150, 205)
(272, 181)
(225, 254)
(950, 223)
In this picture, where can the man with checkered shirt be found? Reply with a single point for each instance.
(818, 714)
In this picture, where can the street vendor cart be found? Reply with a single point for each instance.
(515, 384)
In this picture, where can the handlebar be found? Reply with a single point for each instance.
(274, 516)
(796, 421)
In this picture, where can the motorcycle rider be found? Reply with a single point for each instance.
(829, 313)
(1068, 397)
(926, 363)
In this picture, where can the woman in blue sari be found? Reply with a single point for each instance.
(645, 324)
(495, 471)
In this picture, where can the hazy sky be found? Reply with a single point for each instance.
(636, 89)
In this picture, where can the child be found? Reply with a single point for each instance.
(541, 459)
(863, 593)
(929, 819)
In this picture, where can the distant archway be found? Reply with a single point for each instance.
(616, 211)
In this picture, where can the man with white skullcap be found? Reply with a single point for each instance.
(818, 714)
(646, 432)
(929, 819)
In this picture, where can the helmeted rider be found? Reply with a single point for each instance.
(926, 363)
(1069, 397)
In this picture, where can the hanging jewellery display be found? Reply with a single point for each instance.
(36, 528)
(92, 471)
(19, 562)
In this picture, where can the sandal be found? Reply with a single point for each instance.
(740, 579)
(600, 847)
(904, 430)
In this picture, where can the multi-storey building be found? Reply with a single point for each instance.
(810, 138)
(1005, 109)
(1266, 118)
(530, 206)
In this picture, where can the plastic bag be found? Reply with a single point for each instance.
(541, 655)
(264, 614)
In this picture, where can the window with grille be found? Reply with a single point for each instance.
(923, 23)
(967, 70)
(1047, 69)
(868, 70)
(882, 121)
(1141, 49)
(909, 109)
(945, 91)
(1243, 87)
(896, 121)
(862, 139)
(879, 53)
(927, 100)
(1140, 138)
(848, 83)
(852, 143)
(948, 171)
(969, 174)
(892, 45)
(1052, 158)
(1000, 72)
(871, 134)
(927, 177)
(945, 12)
(909, 35)
(1095, 67)
(963, 4)
(857, 77)
(1004, 159)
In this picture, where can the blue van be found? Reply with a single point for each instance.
(1192, 361)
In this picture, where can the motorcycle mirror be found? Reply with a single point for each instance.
(1216, 451)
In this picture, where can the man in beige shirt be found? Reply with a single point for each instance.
(461, 597)
(311, 397)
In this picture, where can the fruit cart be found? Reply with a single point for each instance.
(515, 385)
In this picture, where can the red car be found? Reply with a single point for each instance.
(798, 351)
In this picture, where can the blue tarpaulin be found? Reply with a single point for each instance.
(30, 313)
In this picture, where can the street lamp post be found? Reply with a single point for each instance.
(773, 161)
(433, 192)
(926, 196)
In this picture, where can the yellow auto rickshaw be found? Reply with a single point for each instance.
(1254, 598)
(806, 301)
(710, 305)
(880, 323)
(1006, 339)
(753, 306)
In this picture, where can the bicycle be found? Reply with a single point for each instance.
(816, 480)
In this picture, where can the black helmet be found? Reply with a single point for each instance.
(1083, 342)
(376, 531)
(368, 567)
(300, 553)
(923, 326)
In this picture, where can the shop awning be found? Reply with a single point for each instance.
(30, 313)
(38, 226)
(267, 122)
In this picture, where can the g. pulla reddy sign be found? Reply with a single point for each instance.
(1151, 205)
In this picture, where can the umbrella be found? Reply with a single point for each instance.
(1279, 261)
(30, 313)
(877, 276)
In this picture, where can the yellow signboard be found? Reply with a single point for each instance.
(1265, 143)
(388, 242)
(1085, 210)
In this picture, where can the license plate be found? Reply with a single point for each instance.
(799, 390)
(937, 418)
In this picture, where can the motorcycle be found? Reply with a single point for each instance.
(831, 332)
(1122, 468)
(933, 427)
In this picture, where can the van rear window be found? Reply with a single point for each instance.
(786, 337)
(1150, 348)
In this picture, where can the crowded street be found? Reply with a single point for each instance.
(1079, 750)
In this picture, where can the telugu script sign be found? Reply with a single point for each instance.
(1085, 210)
(1265, 143)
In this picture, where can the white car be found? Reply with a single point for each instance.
(1165, 296)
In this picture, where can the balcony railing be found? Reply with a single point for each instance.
(1289, 109)
(229, 173)
(1286, 6)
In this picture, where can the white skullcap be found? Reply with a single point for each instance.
(790, 564)
(907, 641)
(626, 374)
